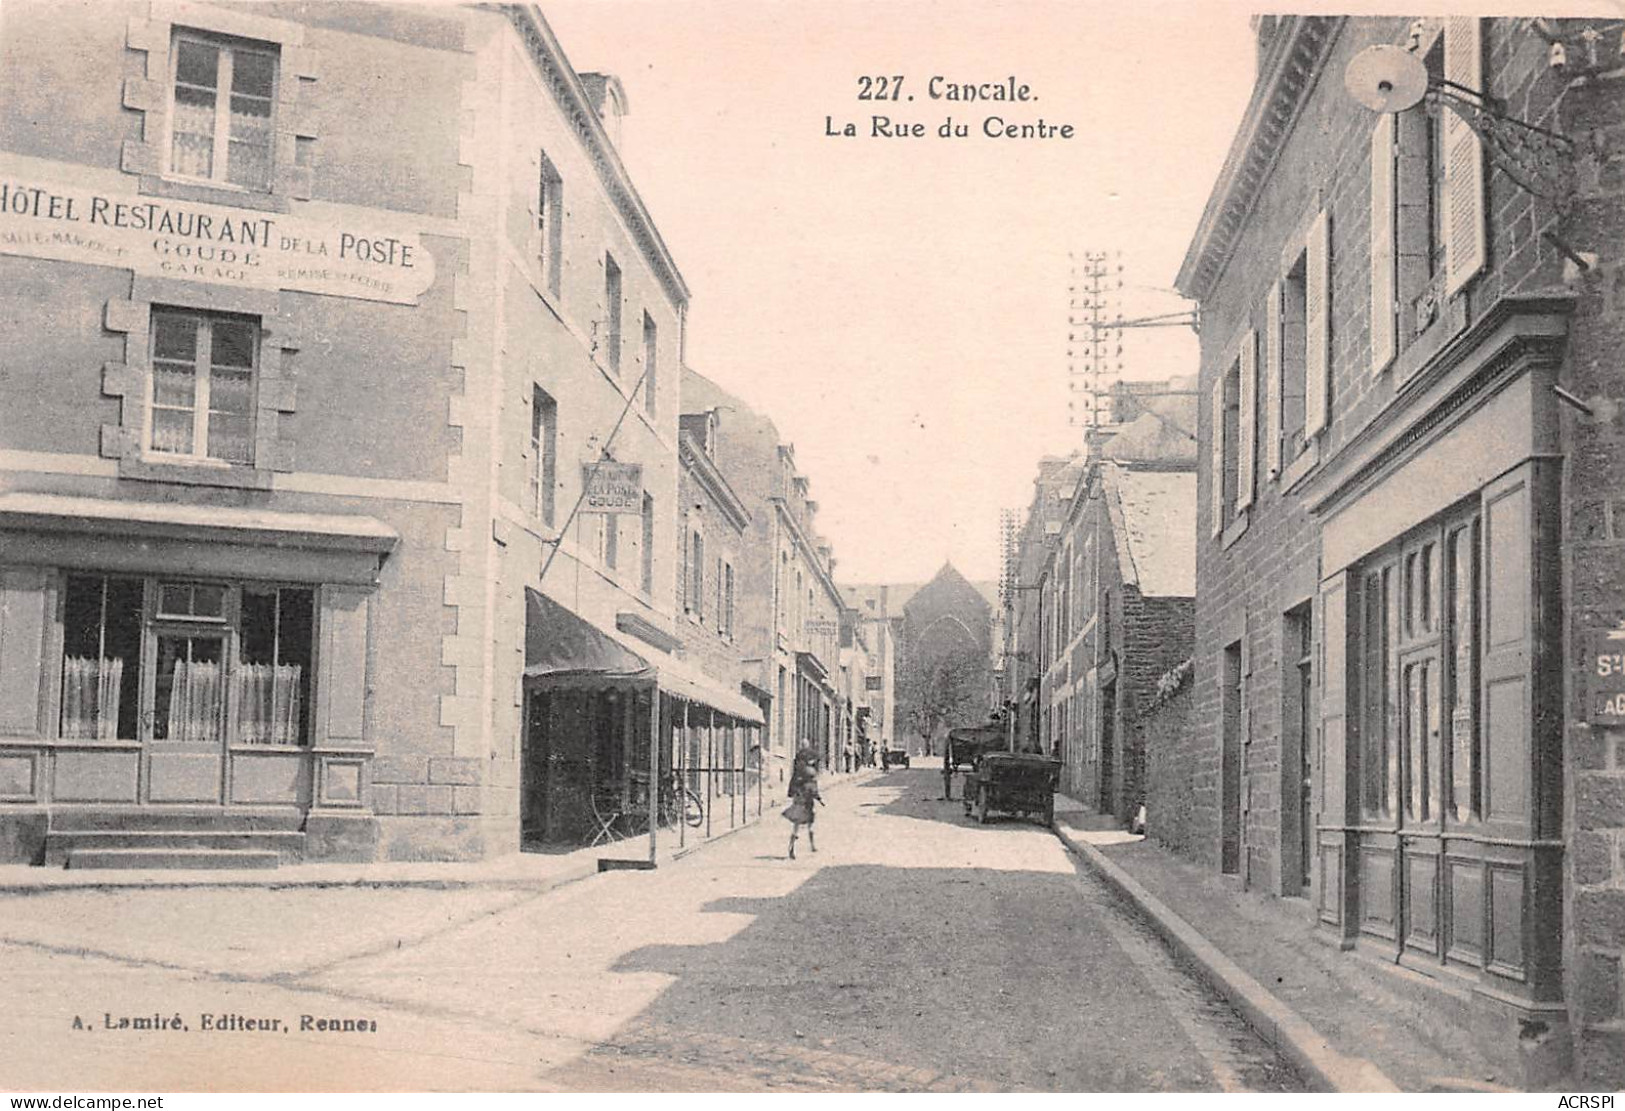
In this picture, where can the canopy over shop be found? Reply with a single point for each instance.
(594, 742)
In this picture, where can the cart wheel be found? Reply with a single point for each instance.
(981, 805)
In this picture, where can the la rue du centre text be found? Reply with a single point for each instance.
(1000, 123)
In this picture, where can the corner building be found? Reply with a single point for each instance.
(314, 314)
(1407, 431)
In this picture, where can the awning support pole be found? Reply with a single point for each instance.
(654, 768)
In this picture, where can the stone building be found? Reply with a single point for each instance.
(1122, 588)
(789, 606)
(1027, 651)
(713, 522)
(1409, 547)
(1101, 589)
(869, 609)
(316, 313)
(946, 617)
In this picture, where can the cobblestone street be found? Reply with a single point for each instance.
(915, 951)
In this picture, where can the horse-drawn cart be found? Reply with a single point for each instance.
(1013, 782)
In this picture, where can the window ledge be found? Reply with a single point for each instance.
(1234, 531)
(196, 474)
(1295, 472)
(185, 189)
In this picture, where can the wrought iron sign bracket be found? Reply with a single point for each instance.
(1540, 161)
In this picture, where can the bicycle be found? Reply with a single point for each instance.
(678, 803)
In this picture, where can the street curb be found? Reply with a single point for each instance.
(1325, 1067)
(287, 883)
(271, 881)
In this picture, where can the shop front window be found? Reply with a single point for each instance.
(185, 662)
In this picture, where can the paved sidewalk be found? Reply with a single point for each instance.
(1327, 1012)
(523, 871)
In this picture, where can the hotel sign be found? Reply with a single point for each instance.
(612, 488)
(365, 258)
(1605, 665)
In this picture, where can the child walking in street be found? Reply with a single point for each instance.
(803, 794)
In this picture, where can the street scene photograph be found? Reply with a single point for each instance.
(811, 546)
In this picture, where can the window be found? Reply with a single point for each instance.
(101, 653)
(1297, 741)
(1419, 232)
(1421, 754)
(1461, 673)
(648, 544)
(544, 427)
(220, 124)
(273, 669)
(1233, 693)
(201, 400)
(186, 662)
(1297, 350)
(1294, 357)
(651, 380)
(550, 222)
(1226, 444)
(728, 601)
(696, 577)
(612, 309)
(612, 540)
(1427, 201)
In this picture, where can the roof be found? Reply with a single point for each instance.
(1288, 70)
(1165, 432)
(899, 594)
(1154, 524)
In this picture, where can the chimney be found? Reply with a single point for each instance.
(608, 98)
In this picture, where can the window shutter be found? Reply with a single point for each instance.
(23, 619)
(1383, 332)
(1272, 381)
(1246, 426)
(343, 678)
(1216, 460)
(1317, 326)
(1463, 158)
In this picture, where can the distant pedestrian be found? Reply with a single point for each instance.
(800, 812)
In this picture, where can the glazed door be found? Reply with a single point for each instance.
(185, 717)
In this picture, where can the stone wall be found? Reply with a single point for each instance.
(1173, 815)
(1594, 539)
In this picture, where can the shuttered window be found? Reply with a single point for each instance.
(1272, 381)
(1216, 459)
(1246, 428)
(1317, 326)
(1463, 157)
(1384, 332)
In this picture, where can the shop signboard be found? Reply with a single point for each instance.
(612, 488)
(365, 255)
(1605, 669)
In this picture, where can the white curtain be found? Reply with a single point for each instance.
(194, 702)
(268, 704)
(90, 698)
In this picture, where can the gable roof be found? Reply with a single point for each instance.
(1153, 516)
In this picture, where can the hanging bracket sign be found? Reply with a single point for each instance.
(368, 258)
(612, 488)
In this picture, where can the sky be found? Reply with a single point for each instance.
(899, 305)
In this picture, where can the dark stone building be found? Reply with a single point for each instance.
(946, 616)
(1410, 542)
